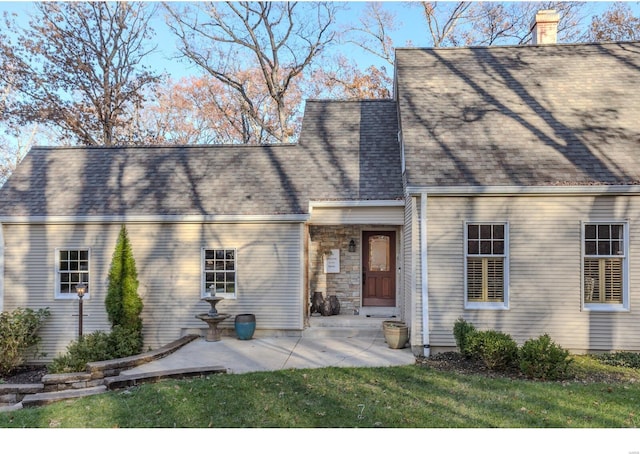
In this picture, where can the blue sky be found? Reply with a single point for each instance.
(409, 20)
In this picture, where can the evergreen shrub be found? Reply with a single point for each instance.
(543, 359)
(97, 346)
(122, 302)
(497, 350)
(462, 331)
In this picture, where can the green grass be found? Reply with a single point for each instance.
(393, 397)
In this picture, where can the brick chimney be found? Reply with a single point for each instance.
(544, 28)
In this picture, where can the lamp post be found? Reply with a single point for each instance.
(80, 289)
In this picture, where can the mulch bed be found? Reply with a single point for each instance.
(447, 362)
(25, 375)
(455, 362)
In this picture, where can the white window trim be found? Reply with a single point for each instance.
(607, 307)
(490, 305)
(204, 292)
(56, 291)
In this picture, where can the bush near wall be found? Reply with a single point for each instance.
(539, 358)
(97, 346)
(462, 331)
(497, 350)
(543, 359)
(19, 334)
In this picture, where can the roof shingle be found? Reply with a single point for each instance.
(331, 163)
(521, 116)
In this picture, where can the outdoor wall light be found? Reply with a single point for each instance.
(352, 245)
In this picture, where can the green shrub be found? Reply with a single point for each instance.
(461, 331)
(621, 359)
(98, 346)
(19, 333)
(543, 359)
(124, 342)
(122, 302)
(497, 350)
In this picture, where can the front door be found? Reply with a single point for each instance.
(379, 269)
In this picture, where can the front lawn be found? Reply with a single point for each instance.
(395, 397)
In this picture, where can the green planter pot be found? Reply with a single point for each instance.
(245, 325)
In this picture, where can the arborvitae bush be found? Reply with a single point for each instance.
(123, 303)
(543, 359)
(461, 331)
(19, 333)
(497, 350)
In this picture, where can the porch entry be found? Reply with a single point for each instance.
(378, 269)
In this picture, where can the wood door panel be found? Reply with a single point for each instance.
(379, 268)
(371, 286)
(386, 288)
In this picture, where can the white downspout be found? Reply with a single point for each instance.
(1, 268)
(424, 277)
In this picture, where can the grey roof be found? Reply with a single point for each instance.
(360, 139)
(522, 116)
(331, 163)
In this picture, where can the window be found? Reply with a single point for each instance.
(486, 266)
(604, 266)
(219, 270)
(72, 268)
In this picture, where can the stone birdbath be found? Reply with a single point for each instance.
(213, 317)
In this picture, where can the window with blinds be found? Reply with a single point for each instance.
(485, 263)
(604, 264)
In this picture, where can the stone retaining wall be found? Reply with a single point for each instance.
(94, 375)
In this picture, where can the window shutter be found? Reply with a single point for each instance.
(485, 279)
(474, 279)
(603, 280)
(613, 280)
(495, 279)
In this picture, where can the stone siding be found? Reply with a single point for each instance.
(345, 284)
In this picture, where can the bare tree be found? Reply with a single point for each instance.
(13, 149)
(347, 81)
(618, 23)
(281, 39)
(372, 32)
(442, 20)
(78, 67)
(492, 23)
(201, 109)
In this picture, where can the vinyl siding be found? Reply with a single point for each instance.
(269, 279)
(545, 272)
(357, 215)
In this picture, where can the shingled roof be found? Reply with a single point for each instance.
(338, 142)
(520, 116)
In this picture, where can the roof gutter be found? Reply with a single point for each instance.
(354, 203)
(171, 219)
(569, 190)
